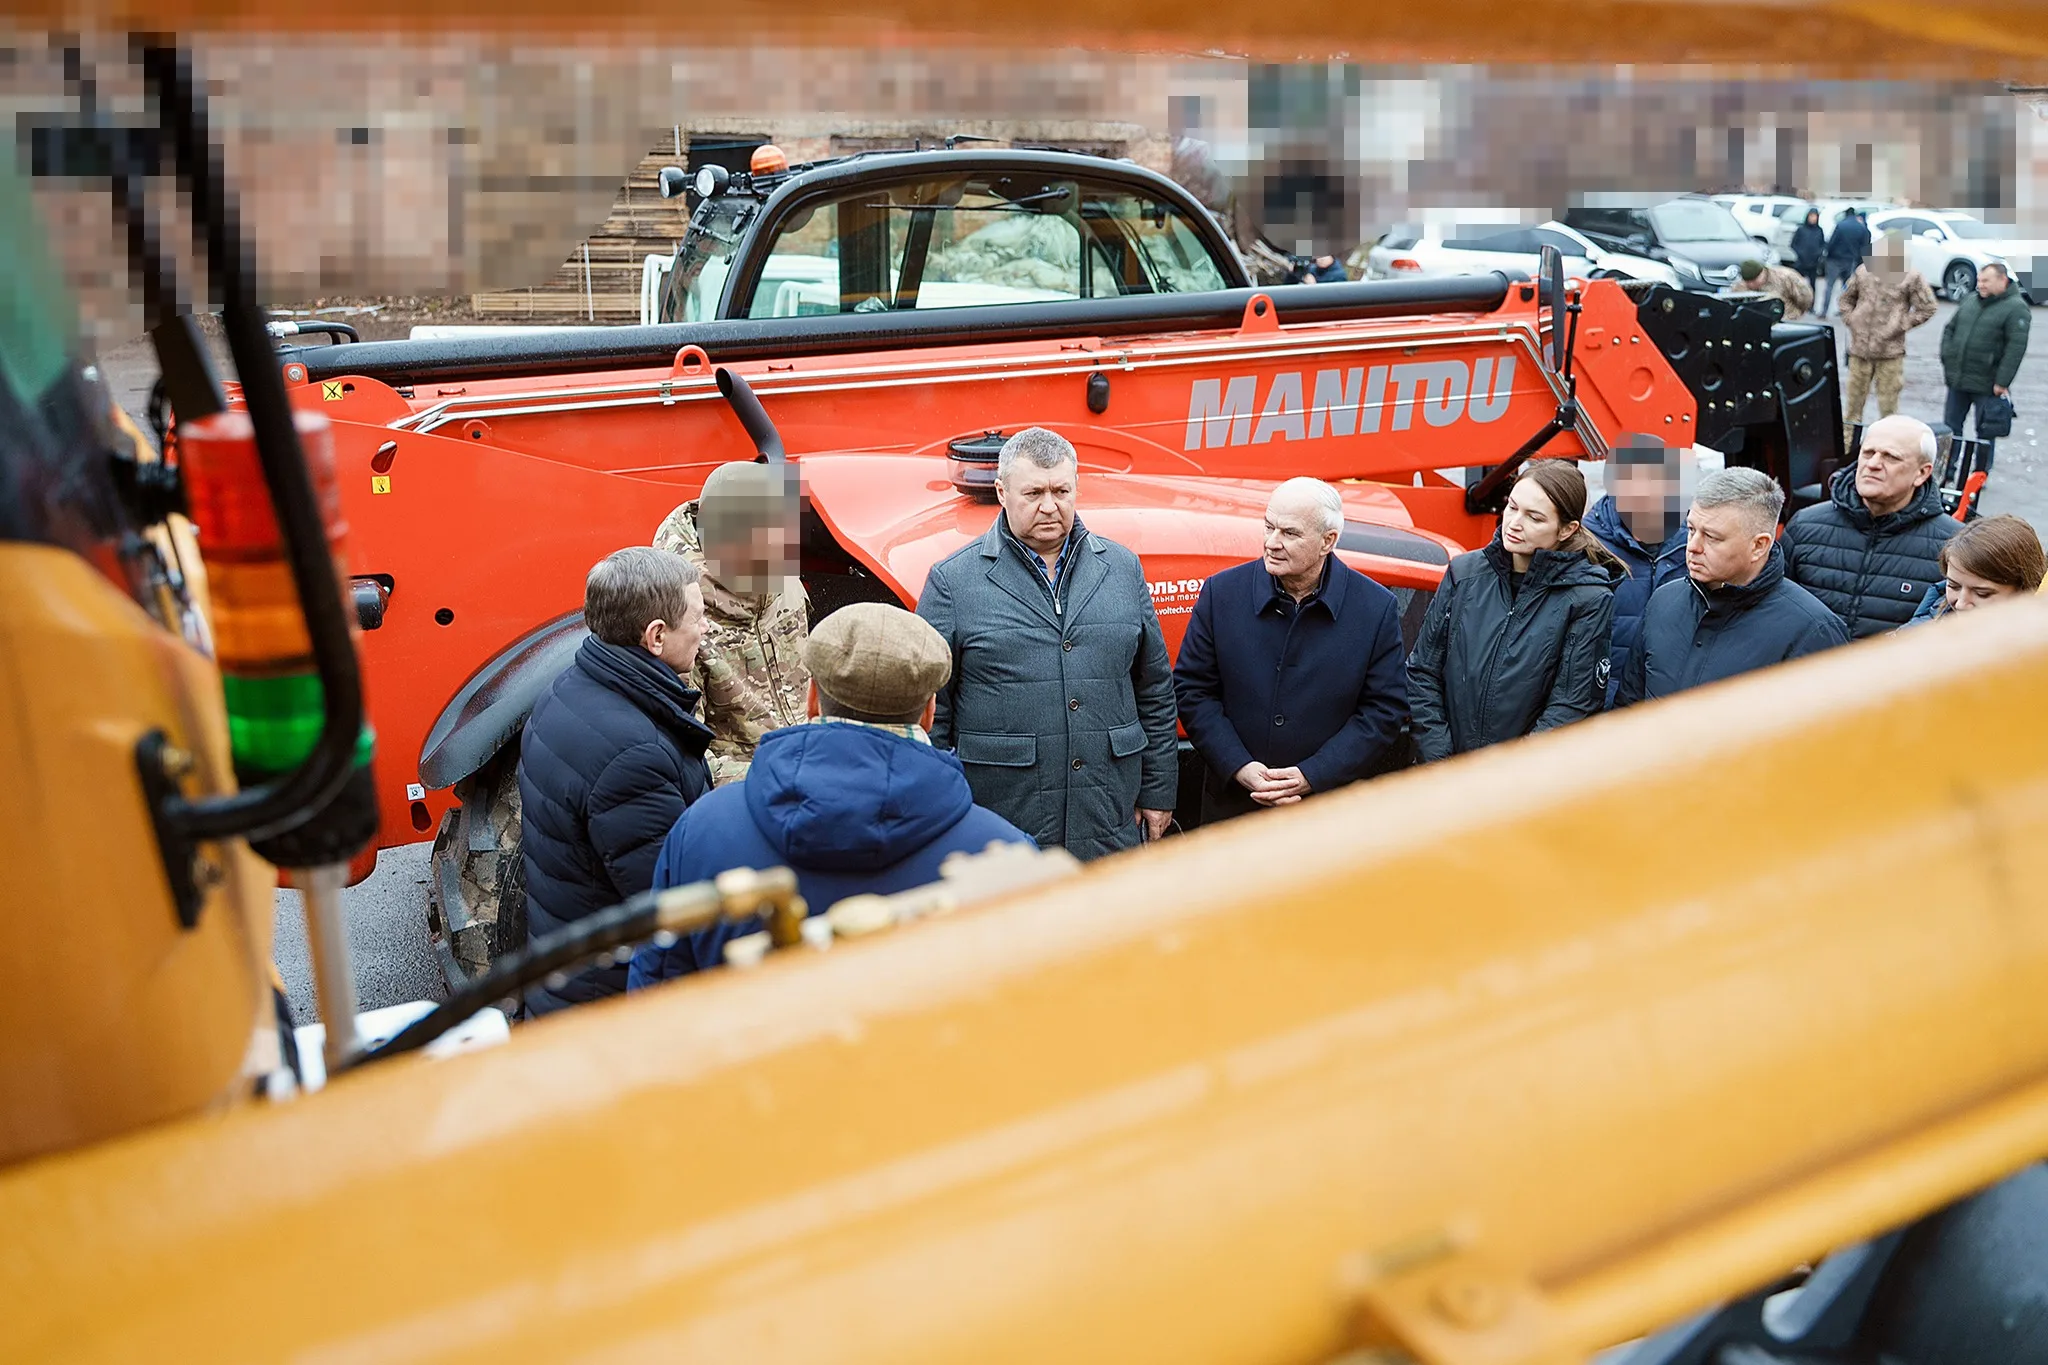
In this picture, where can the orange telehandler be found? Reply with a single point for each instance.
(873, 303)
(1441, 1068)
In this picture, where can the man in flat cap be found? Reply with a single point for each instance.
(740, 532)
(857, 802)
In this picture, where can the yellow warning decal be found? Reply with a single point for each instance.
(380, 483)
(330, 390)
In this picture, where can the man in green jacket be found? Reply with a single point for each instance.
(1981, 348)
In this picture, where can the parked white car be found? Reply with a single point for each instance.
(1405, 254)
(1831, 213)
(1950, 248)
(1760, 214)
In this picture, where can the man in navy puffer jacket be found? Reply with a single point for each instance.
(858, 802)
(611, 755)
(1642, 519)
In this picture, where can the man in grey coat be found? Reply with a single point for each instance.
(1061, 704)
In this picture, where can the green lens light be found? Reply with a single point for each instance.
(273, 723)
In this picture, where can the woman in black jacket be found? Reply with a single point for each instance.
(1809, 245)
(1516, 638)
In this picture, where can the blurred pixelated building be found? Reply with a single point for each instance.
(452, 170)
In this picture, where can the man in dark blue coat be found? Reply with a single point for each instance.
(857, 803)
(611, 755)
(1735, 610)
(1848, 247)
(1641, 519)
(1292, 677)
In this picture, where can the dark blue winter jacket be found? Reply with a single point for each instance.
(1848, 244)
(1693, 635)
(1321, 685)
(1648, 570)
(848, 808)
(609, 758)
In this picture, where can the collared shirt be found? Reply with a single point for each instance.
(912, 731)
(1055, 580)
(1283, 601)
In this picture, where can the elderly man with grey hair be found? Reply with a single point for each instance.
(1060, 704)
(1735, 610)
(1292, 678)
(1872, 550)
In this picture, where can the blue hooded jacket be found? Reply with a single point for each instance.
(1648, 570)
(849, 808)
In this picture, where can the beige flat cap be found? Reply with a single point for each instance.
(878, 659)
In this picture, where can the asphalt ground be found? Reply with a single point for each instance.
(387, 915)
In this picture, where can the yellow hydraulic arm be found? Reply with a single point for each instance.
(1498, 1061)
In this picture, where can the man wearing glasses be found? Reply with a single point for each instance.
(1872, 550)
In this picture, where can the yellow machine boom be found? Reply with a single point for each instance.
(1502, 1061)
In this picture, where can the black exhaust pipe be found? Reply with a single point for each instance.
(746, 405)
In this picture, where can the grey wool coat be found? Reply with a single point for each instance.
(1063, 716)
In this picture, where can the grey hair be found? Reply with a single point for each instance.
(629, 588)
(1752, 490)
(1036, 446)
(1930, 446)
(2000, 267)
(1321, 494)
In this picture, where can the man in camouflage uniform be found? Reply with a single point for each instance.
(1884, 301)
(741, 533)
(1787, 285)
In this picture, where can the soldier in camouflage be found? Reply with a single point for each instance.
(741, 533)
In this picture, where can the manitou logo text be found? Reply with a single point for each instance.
(1357, 401)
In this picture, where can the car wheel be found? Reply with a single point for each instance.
(476, 887)
(1960, 281)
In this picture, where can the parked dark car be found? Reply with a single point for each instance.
(1701, 240)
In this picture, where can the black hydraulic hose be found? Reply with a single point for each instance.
(746, 405)
(272, 807)
(678, 910)
(729, 340)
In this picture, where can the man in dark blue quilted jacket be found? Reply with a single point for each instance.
(1871, 551)
(611, 755)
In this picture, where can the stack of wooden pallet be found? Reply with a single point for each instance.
(600, 282)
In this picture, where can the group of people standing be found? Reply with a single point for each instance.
(1031, 697)
(1881, 300)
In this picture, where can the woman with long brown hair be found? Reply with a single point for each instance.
(1516, 638)
(1993, 560)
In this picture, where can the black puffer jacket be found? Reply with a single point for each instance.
(610, 757)
(1490, 667)
(1693, 635)
(1870, 571)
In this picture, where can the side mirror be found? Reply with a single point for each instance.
(1550, 284)
(673, 182)
(1931, 234)
(1639, 241)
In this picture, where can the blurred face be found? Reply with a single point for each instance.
(1647, 496)
(1722, 546)
(1039, 504)
(675, 642)
(754, 562)
(1296, 544)
(1966, 590)
(1888, 262)
(1890, 466)
(1530, 523)
(1990, 282)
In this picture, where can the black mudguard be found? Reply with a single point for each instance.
(495, 702)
